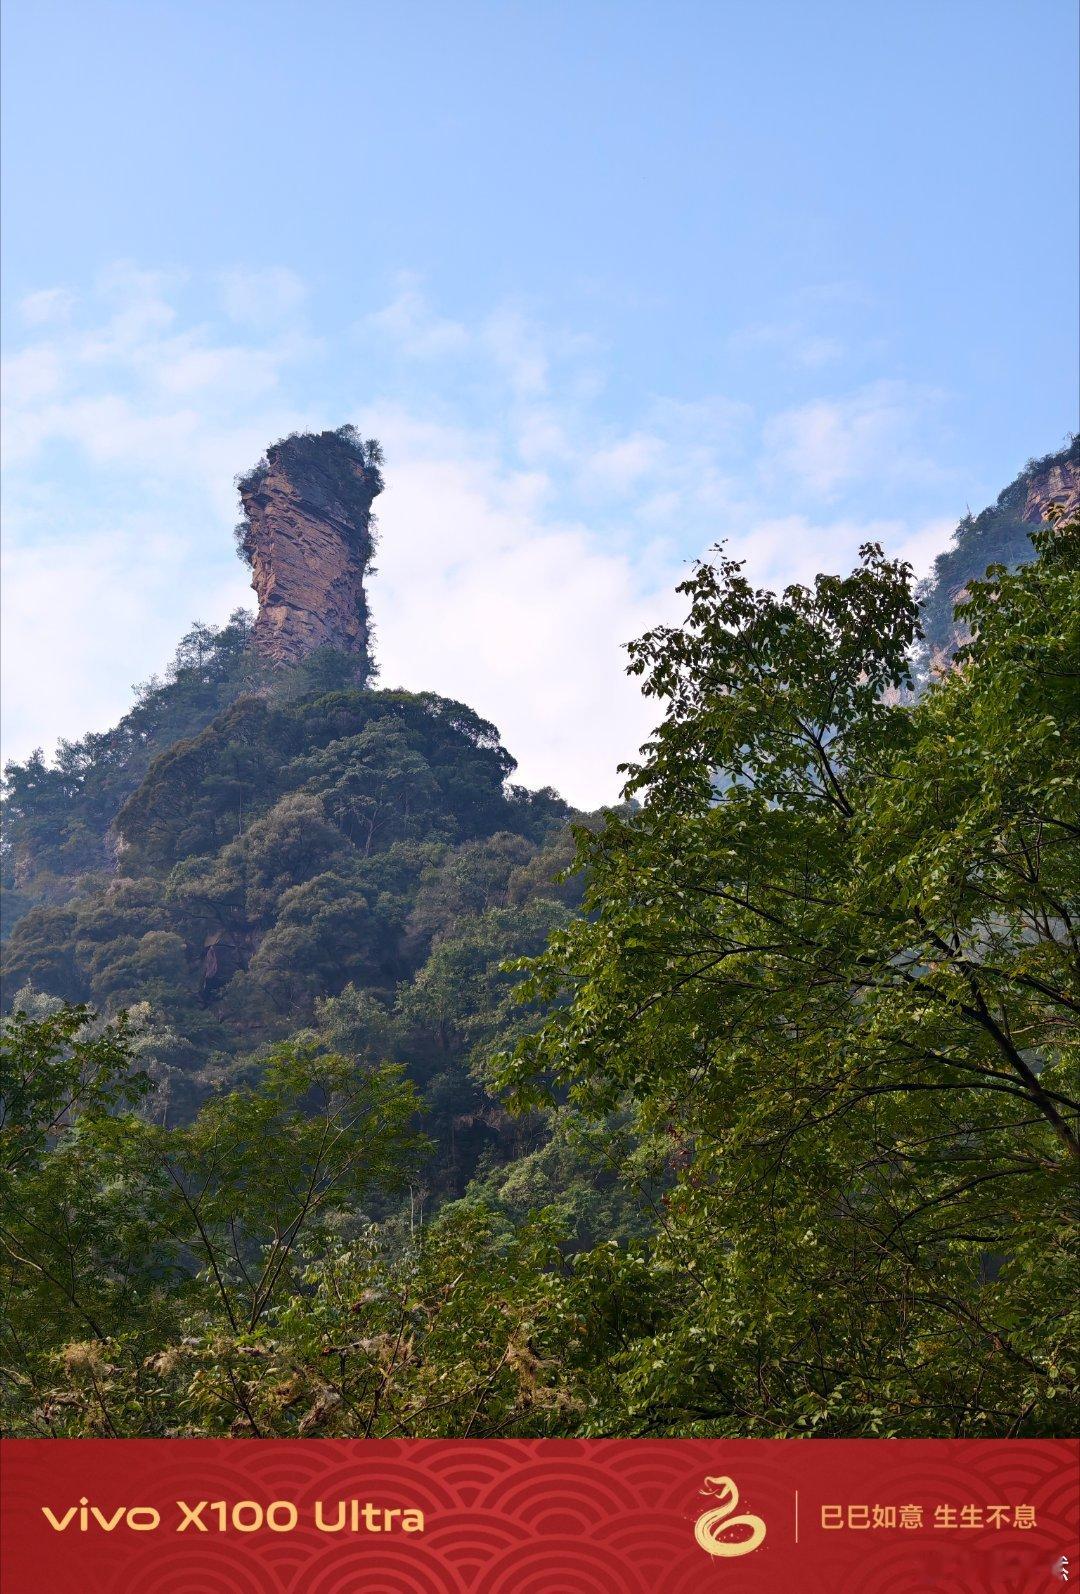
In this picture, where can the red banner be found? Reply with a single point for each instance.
(539, 1517)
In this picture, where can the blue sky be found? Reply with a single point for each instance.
(610, 281)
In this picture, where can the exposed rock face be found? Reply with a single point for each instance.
(222, 955)
(308, 538)
(1001, 534)
(1059, 484)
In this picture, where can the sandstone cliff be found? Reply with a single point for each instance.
(308, 537)
(1058, 483)
(999, 535)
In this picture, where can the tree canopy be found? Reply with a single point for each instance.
(352, 1090)
(832, 963)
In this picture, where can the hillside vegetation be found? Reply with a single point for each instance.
(351, 1089)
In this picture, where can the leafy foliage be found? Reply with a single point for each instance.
(833, 960)
(57, 816)
(219, 1278)
(789, 1042)
(301, 845)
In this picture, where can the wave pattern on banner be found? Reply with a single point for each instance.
(540, 1517)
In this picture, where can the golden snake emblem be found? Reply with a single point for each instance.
(711, 1524)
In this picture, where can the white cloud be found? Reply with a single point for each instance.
(829, 443)
(518, 352)
(920, 545)
(485, 598)
(261, 298)
(620, 467)
(85, 616)
(410, 324)
(526, 535)
(802, 347)
(817, 351)
(47, 306)
(787, 548)
(35, 374)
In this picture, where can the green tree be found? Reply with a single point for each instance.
(465, 883)
(832, 966)
(123, 1239)
(375, 785)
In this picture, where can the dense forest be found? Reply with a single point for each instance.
(351, 1089)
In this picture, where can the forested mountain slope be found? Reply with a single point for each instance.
(407, 1102)
(264, 843)
(296, 848)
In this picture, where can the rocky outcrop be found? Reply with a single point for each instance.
(1058, 483)
(1001, 534)
(308, 537)
(223, 954)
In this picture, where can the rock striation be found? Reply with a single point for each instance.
(308, 537)
(1057, 483)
